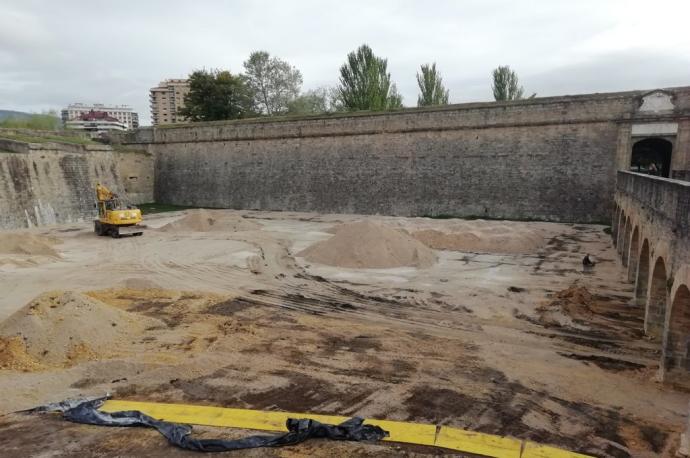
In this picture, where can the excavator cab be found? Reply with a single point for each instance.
(116, 217)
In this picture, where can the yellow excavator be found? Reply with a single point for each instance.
(116, 217)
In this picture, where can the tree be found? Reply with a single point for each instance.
(314, 101)
(216, 95)
(275, 82)
(506, 85)
(431, 89)
(365, 83)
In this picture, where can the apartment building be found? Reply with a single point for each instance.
(166, 99)
(123, 113)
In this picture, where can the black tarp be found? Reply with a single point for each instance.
(299, 430)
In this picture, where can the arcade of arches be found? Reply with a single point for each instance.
(651, 236)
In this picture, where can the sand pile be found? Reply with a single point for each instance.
(574, 303)
(28, 244)
(482, 238)
(576, 295)
(369, 245)
(202, 220)
(13, 355)
(64, 328)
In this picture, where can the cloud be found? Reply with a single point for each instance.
(55, 53)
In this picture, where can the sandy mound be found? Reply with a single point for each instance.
(139, 283)
(64, 328)
(28, 244)
(13, 355)
(484, 240)
(202, 220)
(369, 245)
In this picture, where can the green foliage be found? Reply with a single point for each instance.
(506, 85)
(365, 83)
(217, 95)
(43, 121)
(431, 89)
(314, 101)
(275, 82)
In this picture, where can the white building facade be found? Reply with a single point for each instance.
(122, 113)
(96, 123)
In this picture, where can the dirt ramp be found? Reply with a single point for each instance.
(369, 245)
(202, 220)
(28, 244)
(475, 238)
(64, 328)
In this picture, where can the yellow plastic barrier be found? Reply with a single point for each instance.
(400, 431)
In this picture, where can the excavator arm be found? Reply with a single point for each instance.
(103, 193)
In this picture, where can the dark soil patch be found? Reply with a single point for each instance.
(357, 344)
(158, 309)
(87, 382)
(504, 409)
(598, 344)
(604, 362)
(232, 306)
(437, 405)
(516, 289)
(304, 394)
(654, 437)
(148, 306)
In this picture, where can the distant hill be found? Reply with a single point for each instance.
(13, 114)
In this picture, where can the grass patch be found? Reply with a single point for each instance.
(485, 217)
(153, 207)
(524, 220)
(47, 139)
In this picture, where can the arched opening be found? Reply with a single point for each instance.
(633, 255)
(677, 346)
(652, 156)
(614, 225)
(656, 300)
(642, 275)
(626, 242)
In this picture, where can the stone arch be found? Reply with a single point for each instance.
(626, 241)
(642, 274)
(633, 256)
(657, 298)
(652, 155)
(614, 224)
(676, 350)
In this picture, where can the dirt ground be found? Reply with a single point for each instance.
(520, 342)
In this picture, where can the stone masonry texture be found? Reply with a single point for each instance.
(547, 159)
(48, 183)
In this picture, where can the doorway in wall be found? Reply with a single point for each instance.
(652, 156)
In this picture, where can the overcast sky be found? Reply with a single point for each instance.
(53, 53)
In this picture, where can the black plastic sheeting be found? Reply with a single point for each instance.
(299, 430)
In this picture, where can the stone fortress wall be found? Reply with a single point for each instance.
(547, 158)
(54, 182)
